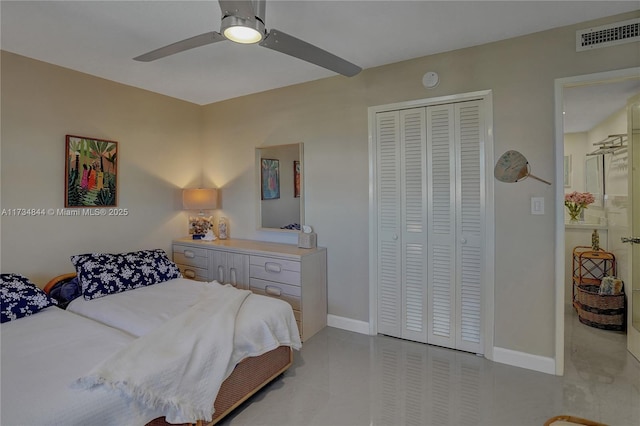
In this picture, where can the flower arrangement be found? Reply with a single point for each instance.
(576, 202)
(199, 225)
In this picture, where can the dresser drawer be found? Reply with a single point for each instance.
(193, 273)
(282, 271)
(288, 293)
(191, 256)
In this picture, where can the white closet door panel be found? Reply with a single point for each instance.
(388, 139)
(389, 232)
(441, 295)
(413, 151)
(441, 181)
(469, 337)
(414, 292)
(441, 170)
(470, 184)
(414, 223)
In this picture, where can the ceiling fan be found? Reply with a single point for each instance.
(243, 22)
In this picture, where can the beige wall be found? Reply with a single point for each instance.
(159, 140)
(42, 103)
(330, 117)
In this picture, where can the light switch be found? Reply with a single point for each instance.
(537, 205)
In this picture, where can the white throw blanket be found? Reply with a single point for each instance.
(180, 366)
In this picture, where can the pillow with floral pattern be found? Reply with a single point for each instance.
(21, 298)
(101, 274)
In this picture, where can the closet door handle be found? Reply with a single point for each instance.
(463, 240)
(220, 274)
(395, 237)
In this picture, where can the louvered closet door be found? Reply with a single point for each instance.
(414, 223)
(430, 188)
(388, 211)
(441, 182)
(469, 218)
(455, 186)
(402, 224)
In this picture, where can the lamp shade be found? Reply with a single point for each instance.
(200, 199)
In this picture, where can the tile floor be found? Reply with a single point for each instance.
(344, 378)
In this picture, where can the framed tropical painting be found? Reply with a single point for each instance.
(270, 179)
(296, 179)
(91, 172)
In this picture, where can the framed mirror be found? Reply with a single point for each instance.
(594, 178)
(280, 183)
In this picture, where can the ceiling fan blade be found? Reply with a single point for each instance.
(181, 46)
(240, 8)
(284, 43)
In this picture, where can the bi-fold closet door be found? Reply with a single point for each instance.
(430, 224)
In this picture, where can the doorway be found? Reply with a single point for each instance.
(578, 155)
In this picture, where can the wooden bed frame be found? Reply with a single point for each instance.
(247, 378)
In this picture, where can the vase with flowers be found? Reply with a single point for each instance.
(576, 202)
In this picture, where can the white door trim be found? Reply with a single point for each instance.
(489, 219)
(560, 84)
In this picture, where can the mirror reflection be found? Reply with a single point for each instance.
(280, 187)
(594, 176)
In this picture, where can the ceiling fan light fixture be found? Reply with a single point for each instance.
(244, 35)
(241, 30)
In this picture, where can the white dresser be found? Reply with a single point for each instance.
(284, 271)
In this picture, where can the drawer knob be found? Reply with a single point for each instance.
(190, 254)
(273, 267)
(273, 291)
(189, 273)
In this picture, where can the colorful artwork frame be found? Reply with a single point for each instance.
(296, 179)
(91, 172)
(269, 179)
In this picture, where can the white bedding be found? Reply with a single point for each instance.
(263, 323)
(175, 371)
(42, 356)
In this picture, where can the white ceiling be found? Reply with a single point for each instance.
(102, 37)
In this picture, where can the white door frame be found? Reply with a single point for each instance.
(489, 213)
(560, 84)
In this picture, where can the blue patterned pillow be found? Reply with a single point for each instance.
(101, 274)
(20, 297)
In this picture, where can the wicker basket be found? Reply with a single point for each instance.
(600, 310)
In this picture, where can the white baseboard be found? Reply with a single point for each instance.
(504, 356)
(348, 324)
(524, 360)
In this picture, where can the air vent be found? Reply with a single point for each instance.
(608, 35)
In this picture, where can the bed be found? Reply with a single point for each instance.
(140, 311)
(44, 350)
